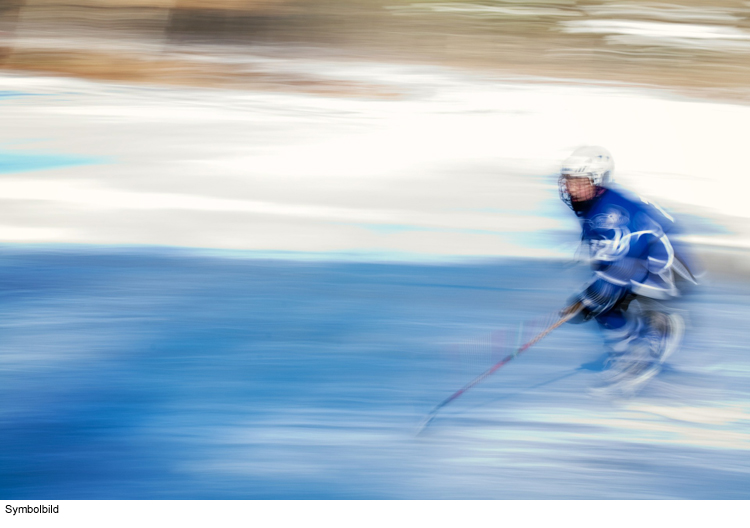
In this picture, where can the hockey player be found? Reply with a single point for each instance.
(635, 266)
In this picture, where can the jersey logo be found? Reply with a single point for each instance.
(615, 235)
(614, 217)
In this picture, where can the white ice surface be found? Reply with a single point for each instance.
(455, 164)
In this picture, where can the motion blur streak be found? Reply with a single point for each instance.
(249, 244)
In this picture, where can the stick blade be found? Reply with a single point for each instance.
(426, 421)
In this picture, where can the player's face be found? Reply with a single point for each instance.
(580, 189)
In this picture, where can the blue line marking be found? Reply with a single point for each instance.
(25, 161)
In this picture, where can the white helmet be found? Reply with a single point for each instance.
(594, 163)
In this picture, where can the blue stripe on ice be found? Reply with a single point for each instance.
(13, 161)
(11, 94)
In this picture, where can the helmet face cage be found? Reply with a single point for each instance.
(594, 163)
(564, 194)
(562, 184)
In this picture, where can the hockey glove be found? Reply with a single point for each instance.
(598, 297)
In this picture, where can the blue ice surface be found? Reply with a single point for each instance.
(154, 373)
(13, 161)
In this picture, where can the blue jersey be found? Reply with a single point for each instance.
(629, 244)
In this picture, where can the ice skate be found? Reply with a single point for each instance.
(664, 335)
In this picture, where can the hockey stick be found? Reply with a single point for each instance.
(568, 314)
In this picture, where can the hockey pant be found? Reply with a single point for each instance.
(608, 304)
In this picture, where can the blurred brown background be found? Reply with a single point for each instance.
(697, 48)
